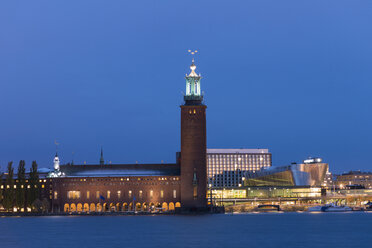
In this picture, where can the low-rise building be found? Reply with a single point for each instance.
(355, 178)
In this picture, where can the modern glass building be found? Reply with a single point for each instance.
(228, 167)
(309, 173)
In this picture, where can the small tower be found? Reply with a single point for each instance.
(193, 146)
(101, 160)
(56, 162)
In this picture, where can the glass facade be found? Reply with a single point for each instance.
(290, 175)
(265, 193)
(229, 167)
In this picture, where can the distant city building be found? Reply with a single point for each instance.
(328, 180)
(228, 167)
(355, 178)
(310, 173)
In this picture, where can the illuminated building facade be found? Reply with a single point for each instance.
(117, 187)
(228, 167)
(258, 193)
(309, 173)
(355, 178)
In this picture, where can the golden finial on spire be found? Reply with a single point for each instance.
(193, 66)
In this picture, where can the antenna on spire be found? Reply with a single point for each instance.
(55, 142)
(101, 160)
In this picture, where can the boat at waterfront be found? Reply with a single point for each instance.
(358, 209)
(368, 206)
(315, 209)
(336, 208)
(330, 208)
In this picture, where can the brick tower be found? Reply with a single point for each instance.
(193, 146)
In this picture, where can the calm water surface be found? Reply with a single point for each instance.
(239, 230)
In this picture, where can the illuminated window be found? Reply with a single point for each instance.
(108, 194)
(195, 192)
(161, 193)
(140, 194)
(119, 194)
(42, 186)
(130, 193)
(88, 194)
(97, 194)
(55, 195)
(174, 193)
(151, 193)
(73, 194)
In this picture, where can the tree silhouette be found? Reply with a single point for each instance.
(21, 181)
(33, 192)
(9, 198)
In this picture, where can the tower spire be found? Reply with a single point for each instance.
(101, 160)
(193, 94)
(56, 143)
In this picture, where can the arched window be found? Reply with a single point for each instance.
(73, 207)
(125, 206)
(164, 206)
(171, 206)
(66, 208)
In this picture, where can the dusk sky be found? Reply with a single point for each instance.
(291, 76)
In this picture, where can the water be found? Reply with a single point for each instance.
(238, 230)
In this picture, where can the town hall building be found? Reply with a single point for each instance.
(181, 186)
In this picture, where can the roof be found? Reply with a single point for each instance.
(356, 173)
(209, 151)
(115, 170)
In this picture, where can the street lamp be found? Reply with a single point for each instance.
(210, 194)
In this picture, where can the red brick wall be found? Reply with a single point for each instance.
(193, 155)
(115, 184)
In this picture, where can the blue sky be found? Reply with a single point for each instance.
(291, 76)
